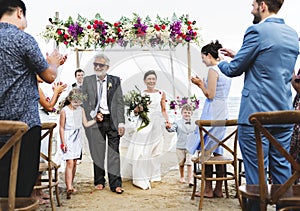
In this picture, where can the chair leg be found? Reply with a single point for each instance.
(203, 176)
(195, 182)
(50, 180)
(57, 189)
(206, 172)
(237, 181)
(245, 205)
(194, 188)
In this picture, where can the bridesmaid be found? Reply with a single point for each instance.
(216, 90)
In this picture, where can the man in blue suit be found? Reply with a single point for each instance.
(267, 57)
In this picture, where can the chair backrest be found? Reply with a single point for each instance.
(47, 132)
(260, 120)
(203, 124)
(13, 131)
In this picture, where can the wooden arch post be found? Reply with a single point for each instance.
(189, 65)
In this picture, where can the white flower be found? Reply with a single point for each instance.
(109, 86)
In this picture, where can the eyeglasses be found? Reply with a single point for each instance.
(100, 65)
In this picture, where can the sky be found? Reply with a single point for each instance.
(225, 21)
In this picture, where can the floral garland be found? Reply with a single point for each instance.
(98, 33)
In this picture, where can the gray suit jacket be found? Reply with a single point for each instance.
(267, 57)
(115, 100)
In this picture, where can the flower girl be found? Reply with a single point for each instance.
(72, 116)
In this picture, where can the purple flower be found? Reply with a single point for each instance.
(75, 30)
(140, 27)
(197, 103)
(175, 29)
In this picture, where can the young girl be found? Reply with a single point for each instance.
(72, 116)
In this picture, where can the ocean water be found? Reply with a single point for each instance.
(233, 109)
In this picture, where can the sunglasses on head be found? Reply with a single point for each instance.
(99, 64)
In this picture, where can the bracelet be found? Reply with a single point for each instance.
(62, 146)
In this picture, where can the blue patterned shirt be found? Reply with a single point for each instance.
(20, 60)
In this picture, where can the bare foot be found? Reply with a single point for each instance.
(119, 190)
(208, 194)
(43, 201)
(44, 195)
(182, 180)
(218, 194)
(99, 187)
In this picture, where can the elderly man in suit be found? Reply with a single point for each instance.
(267, 57)
(105, 103)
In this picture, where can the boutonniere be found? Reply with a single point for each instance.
(109, 85)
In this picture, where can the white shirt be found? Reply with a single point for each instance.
(103, 102)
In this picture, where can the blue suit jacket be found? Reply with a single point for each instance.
(267, 57)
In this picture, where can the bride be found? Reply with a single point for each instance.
(143, 159)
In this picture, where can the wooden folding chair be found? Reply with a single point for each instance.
(15, 131)
(204, 158)
(51, 179)
(281, 194)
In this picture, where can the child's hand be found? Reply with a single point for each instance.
(63, 147)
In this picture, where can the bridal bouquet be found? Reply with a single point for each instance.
(138, 102)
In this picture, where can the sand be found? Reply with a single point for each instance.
(168, 194)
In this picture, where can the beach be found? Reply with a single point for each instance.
(168, 194)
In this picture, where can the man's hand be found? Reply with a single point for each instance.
(226, 52)
(55, 58)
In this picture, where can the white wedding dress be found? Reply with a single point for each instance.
(143, 159)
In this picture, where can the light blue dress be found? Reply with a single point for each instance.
(217, 109)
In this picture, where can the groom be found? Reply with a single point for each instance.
(105, 103)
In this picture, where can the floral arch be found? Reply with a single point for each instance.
(132, 38)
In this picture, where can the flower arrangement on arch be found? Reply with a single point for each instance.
(135, 99)
(99, 33)
(178, 103)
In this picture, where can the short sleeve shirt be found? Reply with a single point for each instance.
(20, 61)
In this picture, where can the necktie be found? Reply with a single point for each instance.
(99, 95)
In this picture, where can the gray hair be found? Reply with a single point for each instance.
(102, 56)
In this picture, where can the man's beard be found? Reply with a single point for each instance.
(257, 17)
(100, 73)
